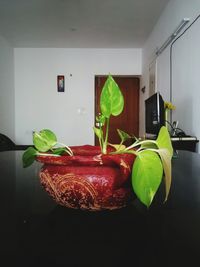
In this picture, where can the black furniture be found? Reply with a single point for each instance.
(35, 231)
(7, 144)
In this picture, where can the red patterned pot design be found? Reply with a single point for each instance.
(88, 180)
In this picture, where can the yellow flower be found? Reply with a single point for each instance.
(169, 105)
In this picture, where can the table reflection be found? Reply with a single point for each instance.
(35, 231)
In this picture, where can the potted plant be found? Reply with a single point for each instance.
(107, 176)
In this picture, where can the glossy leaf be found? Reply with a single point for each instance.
(111, 99)
(40, 143)
(29, 156)
(44, 140)
(164, 141)
(146, 176)
(49, 137)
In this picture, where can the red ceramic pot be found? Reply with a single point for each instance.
(88, 180)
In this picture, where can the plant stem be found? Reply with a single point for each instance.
(69, 151)
(100, 143)
(106, 138)
(140, 143)
(120, 145)
(46, 154)
(101, 138)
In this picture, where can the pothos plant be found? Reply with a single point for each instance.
(153, 157)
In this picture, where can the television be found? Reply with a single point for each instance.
(154, 114)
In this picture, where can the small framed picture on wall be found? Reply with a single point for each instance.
(60, 83)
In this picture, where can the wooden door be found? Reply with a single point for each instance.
(128, 120)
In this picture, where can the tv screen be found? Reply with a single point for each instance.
(154, 114)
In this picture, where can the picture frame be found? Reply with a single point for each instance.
(60, 83)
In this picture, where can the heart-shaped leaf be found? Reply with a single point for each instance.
(146, 176)
(111, 100)
(44, 140)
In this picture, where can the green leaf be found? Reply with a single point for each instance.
(44, 140)
(146, 176)
(59, 150)
(111, 99)
(40, 143)
(49, 137)
(123, 135)
(165, 151)
(166, 162)
(163, 140)
(28, 156)
(98, 132)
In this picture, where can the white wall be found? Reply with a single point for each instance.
(70, 114)
(7, 94)
(186, 80)
(174, 12)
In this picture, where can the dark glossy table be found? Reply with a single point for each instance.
(35, 231)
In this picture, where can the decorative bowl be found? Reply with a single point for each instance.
(88, 180)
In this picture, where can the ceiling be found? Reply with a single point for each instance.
(79, 23)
